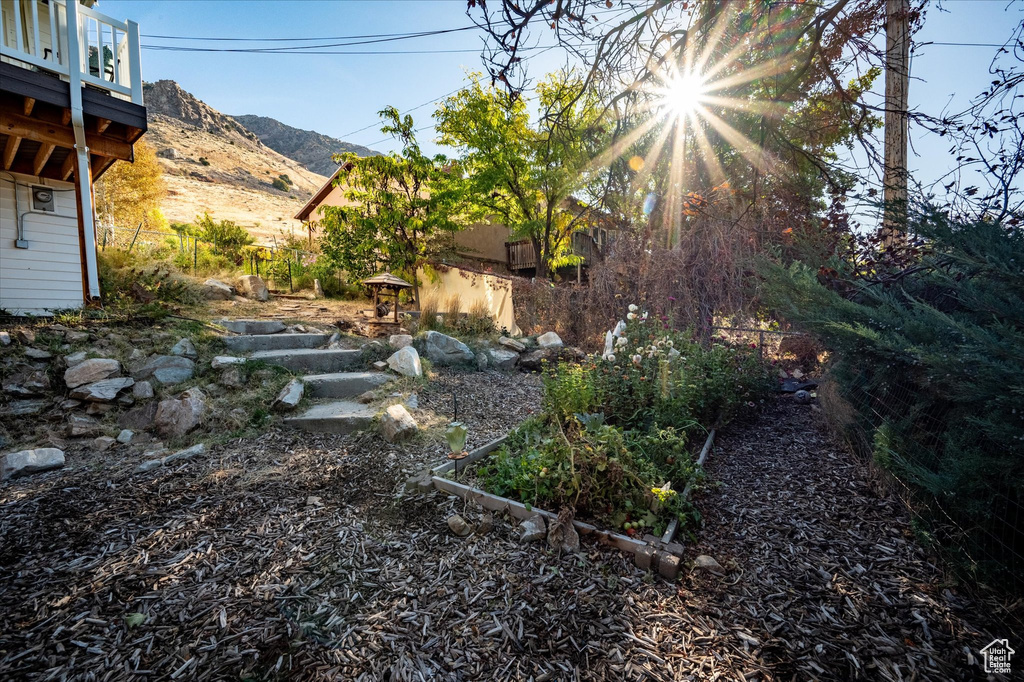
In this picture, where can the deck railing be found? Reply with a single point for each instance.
(523, 256)
(35, 34)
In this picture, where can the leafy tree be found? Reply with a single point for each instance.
(227, 237)
(527, 175)
(401, 207)
(130, 193)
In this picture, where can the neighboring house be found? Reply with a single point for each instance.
(483, 245)
(70, 107)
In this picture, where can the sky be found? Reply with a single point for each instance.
(340, 95)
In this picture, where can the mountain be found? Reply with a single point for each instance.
(213, 163)
(310, 148)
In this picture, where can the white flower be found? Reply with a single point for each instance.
(621, 341)
(637, 359)
(610, 357)
(640, 349)
(633, 308)
(630, 316)
(668, 342)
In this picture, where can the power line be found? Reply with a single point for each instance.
(298, 40)
(306, 48)
(330, 52)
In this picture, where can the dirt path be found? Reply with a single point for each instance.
(223, 569)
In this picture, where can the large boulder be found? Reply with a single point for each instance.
(502, 358)
(397, 424)
(216, 290)
(185, 348)
(446, 350)
(399, 341)
(176, 417)
(91, 371)
(512, 344)
(138, 418)
(534, 361)
(549, 340)
(167, 369)
(252, 286)
(406, 362)
(80, 426)
(27, 462)
(102, 391)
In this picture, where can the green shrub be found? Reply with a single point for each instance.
(228, 239)
(278, 183)
(203, 160)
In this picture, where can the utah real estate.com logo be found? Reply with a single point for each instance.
(997, 656)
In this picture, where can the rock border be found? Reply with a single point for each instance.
(650, 553)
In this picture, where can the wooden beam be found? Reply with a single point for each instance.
(65, 117)
(102, 124)
(10, 150)
(68, 167)
(100, 164)
(42, 156)
(30, 103)
(50, 133)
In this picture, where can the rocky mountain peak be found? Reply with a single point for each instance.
(167, 98)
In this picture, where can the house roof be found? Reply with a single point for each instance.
(314, 202)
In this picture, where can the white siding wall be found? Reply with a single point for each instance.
(48, 275)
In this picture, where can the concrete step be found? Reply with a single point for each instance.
(343, 384)
(338, 416)
(260, 342)
(252, 326)
(311, 360)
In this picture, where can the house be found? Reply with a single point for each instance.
(70, 107)
(485, 246)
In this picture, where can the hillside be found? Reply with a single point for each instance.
(310, 148)
(213, 163)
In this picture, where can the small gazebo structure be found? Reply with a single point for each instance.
(384, 285)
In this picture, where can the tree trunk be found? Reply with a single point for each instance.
(541, 254)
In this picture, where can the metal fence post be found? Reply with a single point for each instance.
(195, 255)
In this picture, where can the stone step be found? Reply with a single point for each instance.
(252, 326)
(343, 384)
(338, 416)
(259, 342)
(311, 360)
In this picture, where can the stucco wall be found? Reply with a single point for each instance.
(47, 275)
(494, 291)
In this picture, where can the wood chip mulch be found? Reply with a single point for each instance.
(294, 556)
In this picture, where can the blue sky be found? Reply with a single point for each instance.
(339, 94)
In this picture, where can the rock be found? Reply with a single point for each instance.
(91, 371)
(215, 290)
(75, 358)
(96, 409)
(222, 361)
(185, 348)
(102, 391)
(26, 383)
(458, 525)
(76, 337)
(5, 339)
(238, 416)
(412, 402)
(397, 424)
(168, 153)
(70, 404)
(366, 397)
(549, 340)
(406, 362)
(502, 359)
(534, 360)
(20, 408)
(380, 365)
(25, 336)
(252, 327)
(187, 453)
(481, 362)
(802, 397)
(142, 390)
(138, 418)
(486, 524)
(26, 462)
(253, 287)
(176, 417)
(532, 528)
(233, 377)
(167, 369)
(290, 395)
(708, 563)
(103, 443)
(318, 291)
(125, 436)
(512, 344)
(562, 535)
(314, 501)
(37, 354)
(80, 426)
(446, 350)
(399, 341)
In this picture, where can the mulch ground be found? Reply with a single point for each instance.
(226, 569)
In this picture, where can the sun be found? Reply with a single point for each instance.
(683, 94)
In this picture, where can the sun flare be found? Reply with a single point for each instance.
(683, 94)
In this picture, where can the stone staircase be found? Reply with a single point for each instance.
(333, 378)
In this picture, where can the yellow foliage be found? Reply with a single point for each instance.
(130, 193)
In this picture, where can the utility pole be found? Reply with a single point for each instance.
(897, 77)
